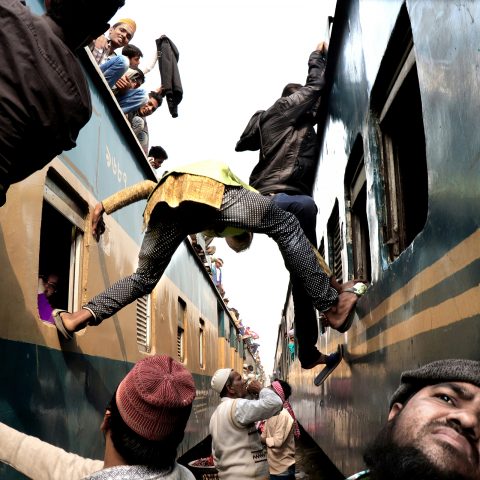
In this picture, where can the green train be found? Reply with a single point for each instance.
(398, 191)
(58, 390)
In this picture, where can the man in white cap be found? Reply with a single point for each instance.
(236, 445)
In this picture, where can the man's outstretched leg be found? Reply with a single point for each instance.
(159, 244)
(251, 211)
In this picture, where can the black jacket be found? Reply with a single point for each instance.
(285, 136)
(44, 96)
(168, 64)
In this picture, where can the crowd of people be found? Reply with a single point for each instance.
(432, 430)
(433, 423)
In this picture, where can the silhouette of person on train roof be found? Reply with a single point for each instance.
(207, 196)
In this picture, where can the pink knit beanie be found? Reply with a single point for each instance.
(155, 398)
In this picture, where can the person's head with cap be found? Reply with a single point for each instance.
(121, 33)
(433, 428)
(82, 20)
(146, 418)
(228, 383)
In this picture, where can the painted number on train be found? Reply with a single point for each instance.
(114, 165)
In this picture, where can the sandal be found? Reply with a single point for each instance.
(358, 289)
(67, 335)
(332, 362)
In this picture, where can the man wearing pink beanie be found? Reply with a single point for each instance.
(143, 426)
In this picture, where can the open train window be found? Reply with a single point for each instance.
(201, 343)
(221, 320)
(181, 311)
(356, 196)
(397, 103)
(144, 323)
(61, 247)
(334, 235)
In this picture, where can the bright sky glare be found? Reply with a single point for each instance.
(235, 58)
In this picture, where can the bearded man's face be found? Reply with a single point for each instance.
(434, 435)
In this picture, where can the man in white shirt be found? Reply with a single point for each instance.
(236, 445)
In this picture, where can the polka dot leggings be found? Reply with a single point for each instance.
(240, 208)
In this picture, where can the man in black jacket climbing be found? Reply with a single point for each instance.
(287, 141)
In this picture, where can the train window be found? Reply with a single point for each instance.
(181, 312)
(335, 243)
(221, 320)
(201, 343)
(144, 323)
(397, 103)
(356, 196)
(233, 336)
(61, 247)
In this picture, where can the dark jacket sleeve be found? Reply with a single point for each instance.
(300, 102)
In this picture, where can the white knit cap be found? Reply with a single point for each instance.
(220, 378)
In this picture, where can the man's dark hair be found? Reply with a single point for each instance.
(287, 389)
(136, 450)
(290, 88)
(157, 152)
(82, 20)
(157, 96)
(130, 51)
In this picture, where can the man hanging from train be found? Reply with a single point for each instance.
(288, 144)
(207, 196)
(433, 428)
(44, 96)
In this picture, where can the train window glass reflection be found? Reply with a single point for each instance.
(335, 243)
(144, 323)
(233, 337)
(201, 343)
(356, 196)
(221, 320)
(181, 311)
(61, 245)
(397, 104)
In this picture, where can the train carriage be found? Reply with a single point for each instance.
(398, 190)
(58, 390)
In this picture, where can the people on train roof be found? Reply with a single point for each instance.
(44, 99)
(236, 445)
(433, 427)
(207, 196)
(143, 425)
(156, 156)
(288, 158)
(138, 120)
(103, 47)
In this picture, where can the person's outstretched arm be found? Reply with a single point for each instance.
(267, 405)
(118, 200)
(41, 460)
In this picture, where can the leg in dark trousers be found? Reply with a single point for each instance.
(305, 317)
